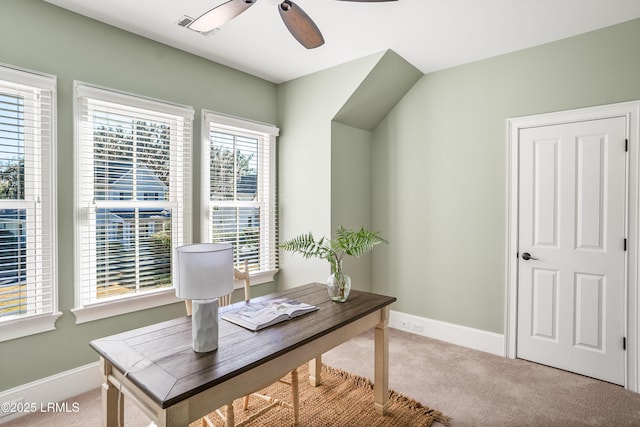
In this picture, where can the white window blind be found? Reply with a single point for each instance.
(133, 193)
(27, 203)
(239, 180)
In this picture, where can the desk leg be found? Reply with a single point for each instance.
(111, 416)
(381, 380)
(315, 368)
(176, 415)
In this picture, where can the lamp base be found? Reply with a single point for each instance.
(204, 325)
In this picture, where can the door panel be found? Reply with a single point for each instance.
(572, 221)
(591, 193)
(544, 304)
(589, 310)
(546, 191)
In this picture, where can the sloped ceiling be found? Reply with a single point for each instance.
(379, 92)
(430, 34)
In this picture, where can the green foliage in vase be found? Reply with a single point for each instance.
(346, 242)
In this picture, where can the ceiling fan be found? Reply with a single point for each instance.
(295, 19)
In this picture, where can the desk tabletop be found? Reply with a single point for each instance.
(159, 359)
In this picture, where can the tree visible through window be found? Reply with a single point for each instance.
(133, 194)
(241, 190)
(12, 219)
(27, 195)
(131, 161)
(234, 175)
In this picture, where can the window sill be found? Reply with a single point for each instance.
(26, 326)
(102, 310)
(257, 278)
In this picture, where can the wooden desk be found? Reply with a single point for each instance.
(156, 367)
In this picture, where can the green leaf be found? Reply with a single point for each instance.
(306, 245)
(349, 242)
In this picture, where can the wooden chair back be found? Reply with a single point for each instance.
(228, 415)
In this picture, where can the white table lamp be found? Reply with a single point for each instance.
(204, 272)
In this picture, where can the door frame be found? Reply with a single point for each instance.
(631, 111)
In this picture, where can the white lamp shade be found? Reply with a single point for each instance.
(204, 271)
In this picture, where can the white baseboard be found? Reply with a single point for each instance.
(80, 380)
(477, 339)
(38, 394)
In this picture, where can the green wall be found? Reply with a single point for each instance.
(44, 38)
(351, 192)
(325, 155)
(378, 92)
(427, 169)
(306, 107)
(440, 167)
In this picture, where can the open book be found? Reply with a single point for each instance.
(259, 315)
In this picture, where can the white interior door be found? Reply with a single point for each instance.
(571, 247)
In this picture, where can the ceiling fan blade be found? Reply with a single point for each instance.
(300, 25)
(220, 15)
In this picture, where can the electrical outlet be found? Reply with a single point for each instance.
(416, 327)
(404, 324)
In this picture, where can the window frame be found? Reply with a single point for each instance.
(87, 310)
(267, 134)
(20, 326)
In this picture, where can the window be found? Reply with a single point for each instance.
(239, 191)
(133, 199)
(28, 290)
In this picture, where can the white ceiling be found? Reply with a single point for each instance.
(430, 34)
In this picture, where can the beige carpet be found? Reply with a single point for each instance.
(472, 387)
(481, 389)
(343, 399)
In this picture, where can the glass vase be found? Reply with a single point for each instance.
(339, 285)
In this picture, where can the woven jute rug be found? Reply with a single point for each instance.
(343, 400)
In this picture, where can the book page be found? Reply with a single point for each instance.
(257, 314)
(265, 313)
(291, 307)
